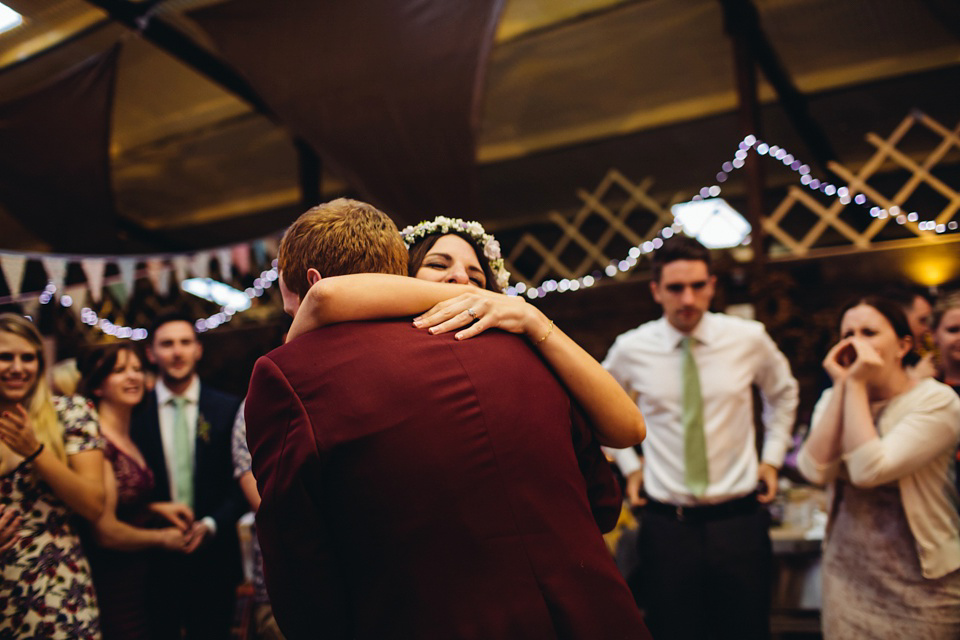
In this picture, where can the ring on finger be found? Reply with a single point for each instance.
(472, 314)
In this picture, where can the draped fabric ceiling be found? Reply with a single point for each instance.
(111, 142)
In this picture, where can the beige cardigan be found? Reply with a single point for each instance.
(919, 431)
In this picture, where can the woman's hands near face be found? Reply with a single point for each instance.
(852, 358)
(493, 310)
(17, 433)
(867, 362)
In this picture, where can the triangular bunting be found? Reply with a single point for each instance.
(77, 293)
(31, 307)
(119, 292)
(159, 274)
(56, 268)
(93, 268)
(13, 265)
(128, 273)
(261, 248)
(180, 266)
(241, 258)
(225, 264)
(200, 264)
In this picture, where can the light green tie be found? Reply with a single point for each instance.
(183, 470)
(696, 474)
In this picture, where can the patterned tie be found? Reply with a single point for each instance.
(696, 474)
(183, 470)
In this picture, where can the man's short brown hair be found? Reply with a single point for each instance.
(337, 238)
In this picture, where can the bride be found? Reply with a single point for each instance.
(457, 278)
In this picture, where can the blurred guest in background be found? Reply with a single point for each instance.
(64, 377)
(51, 467)
(183, 430)
(916, 305)
(705, 552)
(885, 443)
(112, 377)
(264, 625)
(946, 335)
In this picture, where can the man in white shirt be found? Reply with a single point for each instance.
(183, 430)
(704, 542)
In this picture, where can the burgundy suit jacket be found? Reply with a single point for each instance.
(414, 486)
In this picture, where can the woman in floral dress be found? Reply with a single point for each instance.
(51, 468)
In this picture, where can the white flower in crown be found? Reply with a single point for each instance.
(487, 244)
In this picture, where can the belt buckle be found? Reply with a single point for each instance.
(679, 512)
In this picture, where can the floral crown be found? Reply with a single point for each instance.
(485, 241)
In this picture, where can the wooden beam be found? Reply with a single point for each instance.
(138, 17)
(742, 22)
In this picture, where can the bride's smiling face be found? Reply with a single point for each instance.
(452, 259)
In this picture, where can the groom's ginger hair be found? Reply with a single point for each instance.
(337, 238)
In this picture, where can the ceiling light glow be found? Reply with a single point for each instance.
(9, 18)
(713, 222)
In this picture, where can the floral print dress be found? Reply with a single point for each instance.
(47, 591)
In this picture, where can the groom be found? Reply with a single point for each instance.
(416, 486)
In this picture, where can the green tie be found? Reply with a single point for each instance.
(694, 443)
(183, 470)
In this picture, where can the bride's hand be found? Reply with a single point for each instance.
(489, 311)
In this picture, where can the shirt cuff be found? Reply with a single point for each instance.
(865, 463)
(627, 460)
(211, 524)
(816, 472)
(774, 452)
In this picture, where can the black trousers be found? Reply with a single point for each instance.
(706, 579)
(194, 596)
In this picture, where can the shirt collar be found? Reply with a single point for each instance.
(192, 394)
(702, 333)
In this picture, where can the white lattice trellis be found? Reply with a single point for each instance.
(594, 204)
(857, 182)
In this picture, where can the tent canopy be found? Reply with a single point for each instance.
(167, 125)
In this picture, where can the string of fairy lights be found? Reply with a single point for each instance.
(547, 287)
(761, 148)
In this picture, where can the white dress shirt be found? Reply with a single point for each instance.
(732, 355)
(167, 417)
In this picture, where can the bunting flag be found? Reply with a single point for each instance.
(264, 248)
(160, 269)
(259, 250)
(180, 266)
(94, 269)
(119, 292)
(241, 258)
(56, 268)
(128, 274)
(225, 264)
(31, 307)
(200, 264)
(13, 266)
(78, 293)
(159, 274)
